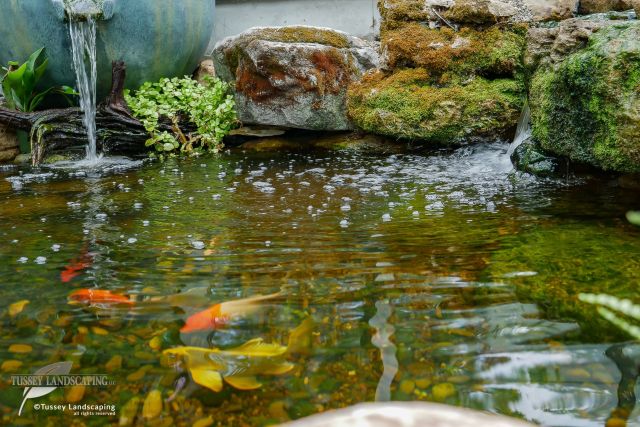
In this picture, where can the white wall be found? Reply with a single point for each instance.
(357, 17)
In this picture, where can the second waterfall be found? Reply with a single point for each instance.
(83, 45)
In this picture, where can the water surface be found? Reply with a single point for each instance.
(475, 267)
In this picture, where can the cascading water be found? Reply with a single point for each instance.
(523, 131)
(83, 45)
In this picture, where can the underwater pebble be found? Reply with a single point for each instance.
(407, 386)
(17, 307)
(11, 365)
(114, 364)
(20, 348)
(443, 391)
(204, 422)
(152, 407)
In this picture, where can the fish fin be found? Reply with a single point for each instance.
(300, 337)
(279, 369)
(207, 378)
(257, 347)
(243, 383)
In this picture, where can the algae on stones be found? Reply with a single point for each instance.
(408, 105)
(588, 107)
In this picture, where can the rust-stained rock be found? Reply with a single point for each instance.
(293, 77)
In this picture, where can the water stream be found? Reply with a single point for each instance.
(83, 46)
(523, 131)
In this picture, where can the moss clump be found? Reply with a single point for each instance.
(493, 52)
(396, 13)
(407, 105)
(588, 108)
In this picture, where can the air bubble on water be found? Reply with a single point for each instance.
(344, 223)
(345, 208)
(14, 241)
(85, 231)
(137, 205)
(165, 207)
(267, 243)
(145, 223)
(197, 244)
(191, 199)
(43, 219)
(216, 197)
(391, 204)
(41, 260)
(55, 247)
(101, 216)
(23, 260)
(141, 181)
(131, 240)
(386, 217)
(416, 213)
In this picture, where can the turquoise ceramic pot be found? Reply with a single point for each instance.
(156, 38)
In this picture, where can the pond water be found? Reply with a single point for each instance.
(473, 271)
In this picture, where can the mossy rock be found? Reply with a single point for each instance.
(396, 13)
(587, 108)
(530, 157)
(407, 105)
(494, 52)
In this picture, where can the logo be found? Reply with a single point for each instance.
(47, 379)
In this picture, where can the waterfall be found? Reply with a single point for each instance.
(83, 45)
(523, 132)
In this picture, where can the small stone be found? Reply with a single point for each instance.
(11, 365)
(114, 364)
(443, 391)
(17, 307)
(152, 407)
(20, 348)
(407, 386)
(75, 394)
(204, 422)
(99, 331)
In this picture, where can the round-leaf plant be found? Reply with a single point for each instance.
(207, 105)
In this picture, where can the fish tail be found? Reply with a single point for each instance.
(300, 337)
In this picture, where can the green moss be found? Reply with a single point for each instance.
(493, 52)
(407, 105)
(396, 13)
(588, 109)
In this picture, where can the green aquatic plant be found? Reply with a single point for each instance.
(607, 303)
(208, 106)
(634, 217)
(20, 81)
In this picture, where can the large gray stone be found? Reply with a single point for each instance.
(293, 76)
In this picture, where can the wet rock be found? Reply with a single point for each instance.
(480, 12)
(588, 7)
(293, 76)
(206, 69)
(9, 145)
(601, 126)
(551, 10)
(530, 157)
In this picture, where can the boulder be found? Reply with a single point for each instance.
(551, 10)
(408, 105)
(588, 7)
(9, 145)
(206, 69)
(586, 106)
(530, 157)
(293, 77)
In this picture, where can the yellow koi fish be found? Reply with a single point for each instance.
(239, 366)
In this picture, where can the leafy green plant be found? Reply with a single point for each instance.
(208, 106)
(20, 81)
(607, 303)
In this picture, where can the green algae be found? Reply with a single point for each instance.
(588, 108)
(407, 105)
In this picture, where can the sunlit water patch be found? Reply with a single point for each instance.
(457, 269)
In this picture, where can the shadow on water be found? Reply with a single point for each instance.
(451, 269)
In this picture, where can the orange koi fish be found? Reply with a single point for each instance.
(76, 266)
(219, 315)
(99, 297)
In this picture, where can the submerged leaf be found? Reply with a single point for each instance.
(152, 407)
(17, 307)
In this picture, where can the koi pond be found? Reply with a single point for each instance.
(344, 277)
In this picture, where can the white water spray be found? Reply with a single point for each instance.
(83, 45)
(523, 132)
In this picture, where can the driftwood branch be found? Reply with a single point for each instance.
(56, 130)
